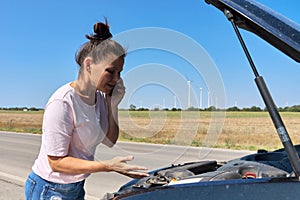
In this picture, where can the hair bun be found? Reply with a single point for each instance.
(101, 32)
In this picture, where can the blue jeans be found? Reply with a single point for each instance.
(37, 188)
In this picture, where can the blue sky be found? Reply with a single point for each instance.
(40, 38)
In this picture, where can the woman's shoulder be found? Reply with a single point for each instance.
(64, 93)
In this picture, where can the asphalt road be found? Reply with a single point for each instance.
(18, 152)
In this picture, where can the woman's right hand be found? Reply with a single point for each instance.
(117, 94)
(119, 165)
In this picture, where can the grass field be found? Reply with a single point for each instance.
(240, 130)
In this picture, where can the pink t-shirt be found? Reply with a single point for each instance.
(70, 128)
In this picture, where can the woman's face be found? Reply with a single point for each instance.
(108, 73)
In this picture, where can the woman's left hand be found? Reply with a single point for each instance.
(119, 165)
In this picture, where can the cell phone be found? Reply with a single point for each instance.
(111, 92)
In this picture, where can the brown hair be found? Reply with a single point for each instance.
(99, 46)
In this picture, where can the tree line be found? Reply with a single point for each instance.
(21, 109)
(295, 108)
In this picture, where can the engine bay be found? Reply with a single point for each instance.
(263, 164)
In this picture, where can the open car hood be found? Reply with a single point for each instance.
(272, 27)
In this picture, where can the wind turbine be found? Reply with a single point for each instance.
(175, 106)
(200, 98)
(208, 98)
(189, 94)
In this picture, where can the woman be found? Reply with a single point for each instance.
(79, 116)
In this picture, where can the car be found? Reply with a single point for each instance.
(263, 175)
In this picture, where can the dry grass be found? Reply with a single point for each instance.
(20, 121)
(241, 130)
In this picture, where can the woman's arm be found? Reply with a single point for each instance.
(112, 106)
(71, 165)
(113, 125)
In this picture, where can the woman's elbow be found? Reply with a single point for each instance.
(54, 163)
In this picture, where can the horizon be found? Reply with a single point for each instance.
(24, 108)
